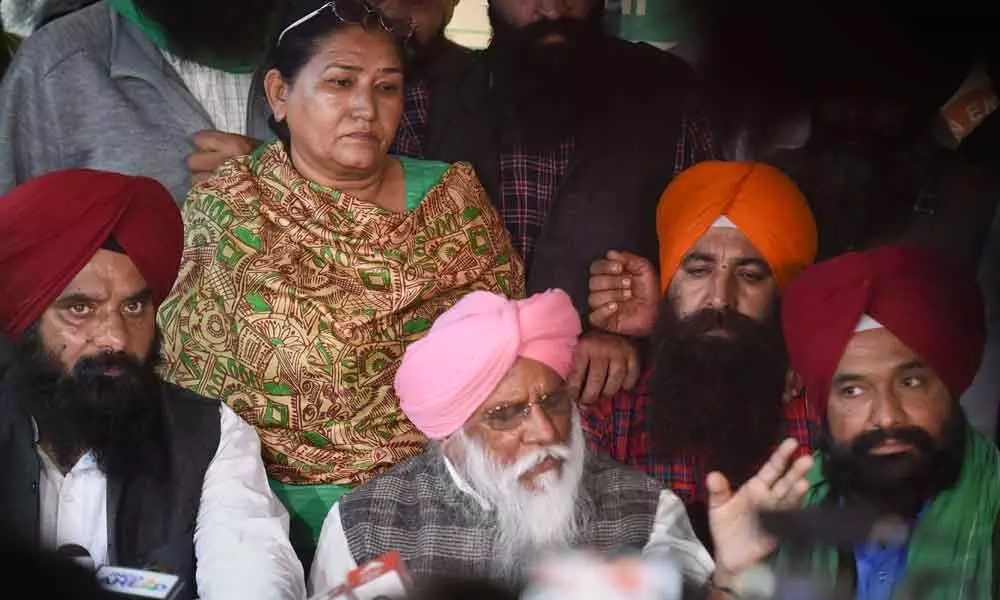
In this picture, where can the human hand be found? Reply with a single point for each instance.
(609, 362)
(739, 542)
(624, 294)
(212, 148)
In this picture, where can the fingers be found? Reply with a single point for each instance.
(204, 162)
(634, 369)
(600, 299)
(604, 317)
(617, 371)
(575, 379)
(778, 463)
(790, 490)
(606, 283)
(603, 266)
(208, 140)
(718, 488)
(597, 373)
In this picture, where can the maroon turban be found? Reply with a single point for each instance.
(931, 304)
(52, 226)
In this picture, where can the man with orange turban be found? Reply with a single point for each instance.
(886, 342)
(508, 477)
(732, 236)
(95, 449)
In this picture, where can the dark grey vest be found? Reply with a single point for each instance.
(151, 521)
(416, 509)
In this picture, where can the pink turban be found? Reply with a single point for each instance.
(445, 377)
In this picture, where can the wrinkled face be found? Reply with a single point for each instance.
(529, 411)
(723, 270)
(105, 309)
(344, 106)
(524, 13)
(429, 17)
(886, 398)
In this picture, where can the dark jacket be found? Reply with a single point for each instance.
(620, 166)
(151, 520)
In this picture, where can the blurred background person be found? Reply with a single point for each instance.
(136, 86)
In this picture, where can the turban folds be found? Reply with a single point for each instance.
(51, 226)
(446, 376)
(932, 305)
(757, 198)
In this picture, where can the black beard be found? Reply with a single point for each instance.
(719, 397)
(545, 92)
(118, 418)
(215, 32)
(896, 484)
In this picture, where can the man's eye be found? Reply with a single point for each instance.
(342, 83)
(698, 271)
(391, 88)
(753, 276)
(135, 307)
(78, 309)
(851, 391)
(913, 381)
(505, 413)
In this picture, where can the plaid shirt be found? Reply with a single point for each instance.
(413, 124)
(617, 426)
(529, 179)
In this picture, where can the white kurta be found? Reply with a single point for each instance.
(241, 533)
(672, 538)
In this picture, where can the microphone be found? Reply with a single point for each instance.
(139, 584)
(840, 528)
(77, 554)
(384, 578)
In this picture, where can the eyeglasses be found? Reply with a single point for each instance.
(512, 416)
(353, 12)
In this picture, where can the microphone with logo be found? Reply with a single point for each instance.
(384, 578)
(126, 582)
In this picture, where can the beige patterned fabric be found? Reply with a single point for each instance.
(295, 303)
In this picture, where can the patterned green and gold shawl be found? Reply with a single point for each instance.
(295, 303)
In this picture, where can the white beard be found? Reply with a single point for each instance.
(529, 522)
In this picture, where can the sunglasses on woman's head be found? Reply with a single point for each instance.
(355, 12)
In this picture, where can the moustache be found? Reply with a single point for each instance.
(710, 320)
(570, 29)
(921, 441)
(108, 365)
(531, 460)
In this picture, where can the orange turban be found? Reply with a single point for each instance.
(757, 198)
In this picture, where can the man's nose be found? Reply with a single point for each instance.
(541, 431)
(111, 334)
(553, 9)
(723, 292)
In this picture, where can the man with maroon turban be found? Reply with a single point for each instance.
(95, 449)
(886, 342)
(508, 478)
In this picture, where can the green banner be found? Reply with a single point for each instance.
(659, 22)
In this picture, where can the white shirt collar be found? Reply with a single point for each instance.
(463, 486)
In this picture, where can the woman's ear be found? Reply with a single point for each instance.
(276, 91)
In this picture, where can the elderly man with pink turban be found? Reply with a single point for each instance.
(508, 478)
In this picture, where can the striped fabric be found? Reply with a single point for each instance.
(415, 508)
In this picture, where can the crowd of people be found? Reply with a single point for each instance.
(288, 285)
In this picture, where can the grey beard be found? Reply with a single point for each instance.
(528, 525)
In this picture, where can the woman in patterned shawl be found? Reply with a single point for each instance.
(311, 264)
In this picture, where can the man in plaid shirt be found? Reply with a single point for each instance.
(575, 134)
(718, 394)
